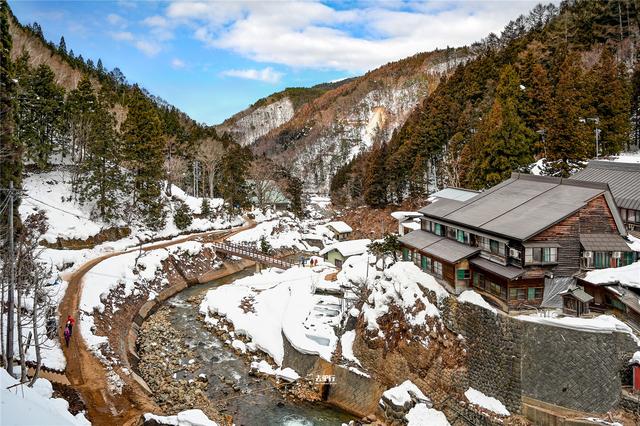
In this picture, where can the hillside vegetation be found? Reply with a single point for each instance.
(539, 90)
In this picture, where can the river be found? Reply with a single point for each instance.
(258, 402)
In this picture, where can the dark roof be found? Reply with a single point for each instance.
(508, 272)
(553, 290)
(603, 242)
(441, 247)
(521, 206)
(623, 179)
(579, 294)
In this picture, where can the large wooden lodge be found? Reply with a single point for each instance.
(505, 241)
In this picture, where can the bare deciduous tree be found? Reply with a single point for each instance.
(210, 153)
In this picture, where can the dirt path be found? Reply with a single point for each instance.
(85, 372)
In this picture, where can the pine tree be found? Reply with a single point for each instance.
(40, 114)
(102, 176)
(80, 108)
(504, 141)
(232, 184)
(205, 207)
(62, 46)
(143, 148)
(182, 217)
(100, 67)
(375, 183)
(612, 103)
(10, 146)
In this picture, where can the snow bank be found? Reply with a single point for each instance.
(279, 233)
(346, 342)
(405, 393)
(183, 418)
(470, 296)
(287, 374)
(281, 302)
(487, 402)
(626, 275)
(25, 406)
(422, 415)
(599, 324)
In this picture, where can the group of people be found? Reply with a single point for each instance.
(312, 261)
(68, 329)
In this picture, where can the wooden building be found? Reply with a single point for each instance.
(503, 242)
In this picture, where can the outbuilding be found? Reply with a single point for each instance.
(337, 253)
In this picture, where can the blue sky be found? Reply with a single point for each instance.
(213, 59)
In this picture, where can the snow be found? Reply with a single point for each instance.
(599, 324)
(339, 226)
(635, 359)
(402, 215)
(422, 415)
(626, 157)
(346, 342)
(282, 232)
(470, 296)
(287, 374)
(538, 168)
(628, 276)
(634, 243)
(492, 404)
(239, 345)
(183, 418)
(348, 248)
(283, 303)
(404, 393)
(24, 406)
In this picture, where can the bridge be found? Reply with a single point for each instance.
(251, 253)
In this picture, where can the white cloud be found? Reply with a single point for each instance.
(147, 47)
(178, 63)
(122, 36)
(116, 20)
(267, 75)
(161, 27)
(315, 35)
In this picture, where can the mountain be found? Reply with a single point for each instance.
(316, 137)
(268, 113)
(541, 89)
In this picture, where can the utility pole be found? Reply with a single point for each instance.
(12, 286)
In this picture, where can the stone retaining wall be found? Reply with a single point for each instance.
(509, 359)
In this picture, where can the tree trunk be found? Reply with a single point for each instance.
(23, 367)
(36, 340)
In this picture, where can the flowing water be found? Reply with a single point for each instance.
(258, 402)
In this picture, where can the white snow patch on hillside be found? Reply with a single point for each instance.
(487, 402)
(405, 392)
(282, 303)
(470, 296)
(183, 418)
(627, 157)
(346, 343)
(599, 324)
(25, 406)
(422, 415)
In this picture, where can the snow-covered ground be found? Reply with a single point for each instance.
(267, 305)
(25, 406)
(70, 219)
(183, 418)
(470, 296)
(487, 402)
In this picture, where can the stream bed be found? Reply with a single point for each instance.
(232, 390)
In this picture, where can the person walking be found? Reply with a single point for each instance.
(70, 323)
(67, 334)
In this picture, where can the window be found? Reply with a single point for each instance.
(517, 294)
(601, 259)
(405, 254)
(462, 236)
(417, 260)
(627, 258)
(492, 246)
(540, 255)
(462, 274)
(424, 224)
(437, 268)
(438, 229)
(451, 233)
(423, 263)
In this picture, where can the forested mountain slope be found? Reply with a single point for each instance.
(326, 132)
(540, 89)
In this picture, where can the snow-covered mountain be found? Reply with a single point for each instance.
(328, 131)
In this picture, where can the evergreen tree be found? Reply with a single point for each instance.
(80, 108)
(294, 190)
(635, 107)
(100, 67)
(375, 184)
(182, 217)
(232, 184)
(569, 137)
(205, 207)
(143, 148)
(265, 247)
(10, 146)
(102, 176)
(612, 103)
(40, 114)
(62, 46)
(503, 141)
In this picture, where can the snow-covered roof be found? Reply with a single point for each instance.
(458, 194)
(411, 224)
(339, 226)
(405, 215)
(628, 276)
(348, 248)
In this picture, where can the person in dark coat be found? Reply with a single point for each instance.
(67, 334)
(70, 323)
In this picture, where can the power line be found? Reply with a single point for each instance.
(79, 216)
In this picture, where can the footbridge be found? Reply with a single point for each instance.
(251, 253)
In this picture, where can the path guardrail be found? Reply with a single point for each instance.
(248, 252)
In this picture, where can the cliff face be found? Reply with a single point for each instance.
(327, 132)
(247, 126)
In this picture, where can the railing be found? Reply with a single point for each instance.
(249, 252)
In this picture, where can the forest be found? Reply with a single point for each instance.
(541, 90)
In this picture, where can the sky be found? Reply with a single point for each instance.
(212, 59)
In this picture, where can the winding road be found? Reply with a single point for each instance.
(86, 373)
